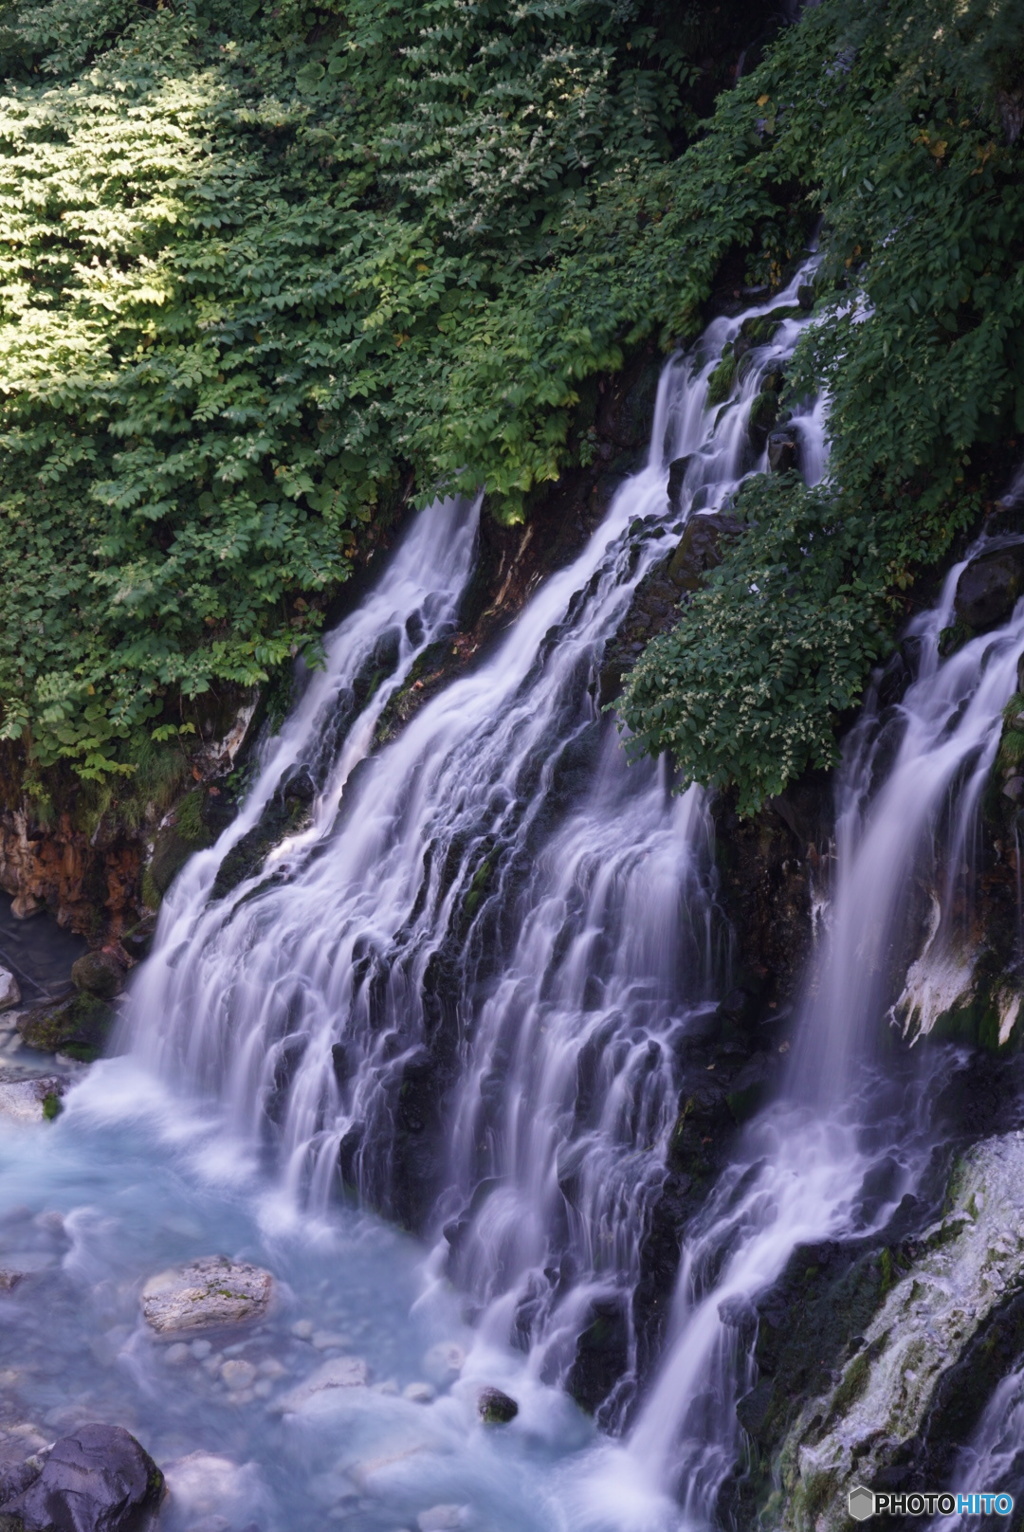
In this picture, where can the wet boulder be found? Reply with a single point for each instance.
(676, 476)
(784, 449)
(496, 1408)
(10, 990)
(78, 1027)
(988, 588)
(98, 1479)
(99, 973)
(699, 548)
(935, 1331)
(36, 1099)
(205, 1294)
(602, 1354)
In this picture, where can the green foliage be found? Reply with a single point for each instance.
(1011, 746)
(902, 127)
(263, 275)
(783, 629)
(266, 274)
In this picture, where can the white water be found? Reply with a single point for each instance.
(993, 1461)
(909, 785)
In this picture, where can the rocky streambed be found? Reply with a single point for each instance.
(160, 1305)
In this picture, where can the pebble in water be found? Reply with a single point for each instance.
(238, 1375)
(444, 1362)
(419, 1393)
(324, 1340)
(443, 1518)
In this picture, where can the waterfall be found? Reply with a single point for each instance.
(907, 799)
(458, 988)
(992, 1460)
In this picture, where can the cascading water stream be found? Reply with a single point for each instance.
(908, 788)
(328, 732)
(502, 916)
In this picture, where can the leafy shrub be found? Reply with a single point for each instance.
(903, 128)
(265, 275)
(780, 635)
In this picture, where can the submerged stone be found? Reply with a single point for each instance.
(342, 1372)
(988, 588)
(442, 1518)
(206, 1293)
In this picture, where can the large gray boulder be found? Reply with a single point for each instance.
(988, 588)
(99, 973)
(205, 1294)
(98, 1479)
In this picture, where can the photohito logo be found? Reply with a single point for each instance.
(863, 1503)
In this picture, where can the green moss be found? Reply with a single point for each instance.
(52, 1106)
(79, 1027)
(854, 1381)
(189, 820)
(721, 380)
(151, 895)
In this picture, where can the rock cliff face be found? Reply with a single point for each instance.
(91, 882)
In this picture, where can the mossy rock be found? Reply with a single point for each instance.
(282, 817)
(496, 1408)
(99, 974)
(79, 1027)
(764, 412)
(721, 380)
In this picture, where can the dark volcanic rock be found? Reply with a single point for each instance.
(98, 1479)
(602, 1355)
(699, 548)
(676, 474)
(987, 590)
(784, 449)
